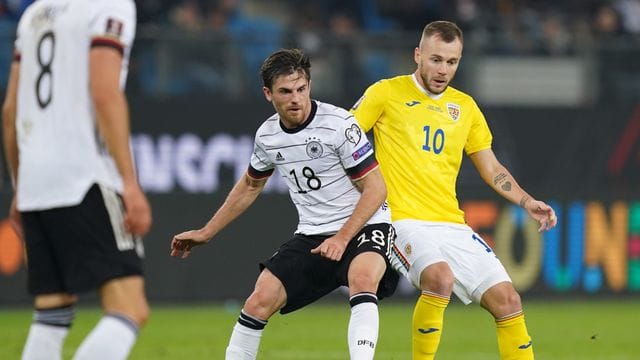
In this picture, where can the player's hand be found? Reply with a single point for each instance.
(137, 218)
(542, 213)
(332, 248)
(182, 243)
(14, 218)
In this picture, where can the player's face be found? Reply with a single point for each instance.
(437, 62)
(290, 96)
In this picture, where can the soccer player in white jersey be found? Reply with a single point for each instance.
(78, 204)
(422, 126)
(344, 234)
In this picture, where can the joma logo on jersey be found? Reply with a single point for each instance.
(454, 111)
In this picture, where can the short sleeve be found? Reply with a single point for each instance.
(114, 25)
(354, 149)
(371, 105)
(480, 137)
(260, 166)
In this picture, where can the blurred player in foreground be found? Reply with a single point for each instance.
(421, 128)
(78, 204)
(344, 235)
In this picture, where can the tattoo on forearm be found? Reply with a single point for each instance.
(502, 181)
(506, 186)
(524, 200)
(499, 178)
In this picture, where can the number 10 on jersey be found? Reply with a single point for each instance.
(435, 143)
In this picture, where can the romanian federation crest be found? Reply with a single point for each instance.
(454, 111)
(314, 148)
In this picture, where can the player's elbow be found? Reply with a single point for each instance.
(105, 97)
(377, 192)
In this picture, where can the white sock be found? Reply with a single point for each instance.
(44, 342)
(111, 339)
(245, 338)
(363, 329)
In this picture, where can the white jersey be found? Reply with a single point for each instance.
(60, 151)
(318, 160)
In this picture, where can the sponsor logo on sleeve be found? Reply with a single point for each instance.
(362, 151)
(114, 27)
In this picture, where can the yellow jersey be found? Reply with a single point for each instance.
(419, 140)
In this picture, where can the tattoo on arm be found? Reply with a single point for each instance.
(502, 181)
(499, 178)
(524, 200)
(506, 186)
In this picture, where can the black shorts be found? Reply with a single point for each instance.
(78, 248)
(307, 277)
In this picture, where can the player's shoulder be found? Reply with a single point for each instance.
(459, 96)
(390, 83)
(30, 10)
(268, 125)
(331, 112)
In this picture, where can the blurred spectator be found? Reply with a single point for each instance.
(630, 15)
(556, 39)
(221, 31)
(606, 23)
(153, 11)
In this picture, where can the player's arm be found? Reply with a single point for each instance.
(501, 180)
(10, 138)
(374, 193)
(112, 111)
(9, 121)
(243, 194)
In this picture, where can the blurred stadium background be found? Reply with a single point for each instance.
(559, 82)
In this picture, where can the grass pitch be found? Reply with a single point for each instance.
(594, 330)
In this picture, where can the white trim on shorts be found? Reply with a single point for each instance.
(124, 240)
(423, 243)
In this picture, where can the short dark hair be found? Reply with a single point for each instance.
(446, 30)
(284, 62)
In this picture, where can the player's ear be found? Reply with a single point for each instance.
(416, 55)
(267, 93)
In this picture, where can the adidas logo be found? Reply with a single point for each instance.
(279, 157)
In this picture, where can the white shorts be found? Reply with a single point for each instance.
(475, 266)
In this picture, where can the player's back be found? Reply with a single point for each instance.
(61, 154)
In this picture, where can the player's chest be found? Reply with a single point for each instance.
(419, 119)
(303, 148)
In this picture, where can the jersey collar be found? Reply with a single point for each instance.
(312, 114)
(433, 96)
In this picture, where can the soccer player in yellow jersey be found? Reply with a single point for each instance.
(421, 128)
